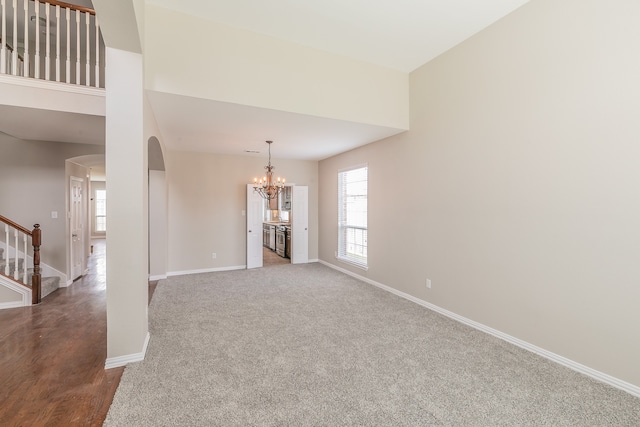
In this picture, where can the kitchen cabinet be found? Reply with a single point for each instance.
(285, 199)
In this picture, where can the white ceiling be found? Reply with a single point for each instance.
(195, 124)
(399, 34)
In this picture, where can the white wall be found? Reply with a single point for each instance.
(33, 184)
(127, 209)
(157, 224)
(204, 59)
(516, 189)
(207, 194)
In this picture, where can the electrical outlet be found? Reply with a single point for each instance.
(213, 255)
(428, 283)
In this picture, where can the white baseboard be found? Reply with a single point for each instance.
(12, 304)
(158, 277)
(23, 292)
(206, 270)
(314, 260)
(600, 376)
(115, 362)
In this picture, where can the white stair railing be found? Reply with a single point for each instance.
(41, 39)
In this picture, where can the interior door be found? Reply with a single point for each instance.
(255, 203)
(300, 224)
(76, 227)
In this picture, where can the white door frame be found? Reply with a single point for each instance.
(255, 203)
(76, 235)
(300, 224)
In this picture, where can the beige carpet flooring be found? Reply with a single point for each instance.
(304, 345)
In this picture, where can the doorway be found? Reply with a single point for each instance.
(76, 221)
(263, 232)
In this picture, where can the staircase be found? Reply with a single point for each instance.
(48, 284)
(20, 270)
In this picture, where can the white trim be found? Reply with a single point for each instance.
(313, 260)
(158, 277)
(206, 270)
(51, 85)
(600, 376)
(12, 304)
(67, 283)
(23, 291)
(116, 362)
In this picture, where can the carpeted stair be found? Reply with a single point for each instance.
(48, 284)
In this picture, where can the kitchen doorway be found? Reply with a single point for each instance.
(270, 228)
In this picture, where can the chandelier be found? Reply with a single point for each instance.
(267, 187)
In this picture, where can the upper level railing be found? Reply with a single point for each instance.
(51, 40)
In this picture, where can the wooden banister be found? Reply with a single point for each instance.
(10, 49)
(36, 279)
(36, 241)
(69, 5)
(16, 225)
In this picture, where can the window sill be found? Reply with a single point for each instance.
(353, 263)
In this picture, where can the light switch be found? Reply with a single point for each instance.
(54, 214)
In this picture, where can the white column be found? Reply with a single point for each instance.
(127, 210)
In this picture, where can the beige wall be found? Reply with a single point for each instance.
(207, 194)
(33, 184)
(231, 65)
(516, 189)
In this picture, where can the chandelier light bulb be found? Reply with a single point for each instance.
(267, 187)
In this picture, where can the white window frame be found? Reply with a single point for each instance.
(103, 215)
(353, 225)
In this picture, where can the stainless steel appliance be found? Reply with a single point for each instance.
(265, 235)
(281, 240)
(272, 237)
(288, 247)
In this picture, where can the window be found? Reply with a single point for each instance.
(352, 216)
(101, 210)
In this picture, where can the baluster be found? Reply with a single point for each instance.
(57, 43)
(97, 82)
(77, 47)
(68, 59)
(16, 274)
(36, 59)
(24, 258)
(6, 252)
(88, 62)
(14, 54)
(47, 54)
(26, 71)
(36, 288)
(3, 39)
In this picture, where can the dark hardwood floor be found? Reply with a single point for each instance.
(52, 356)
(269, 257)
